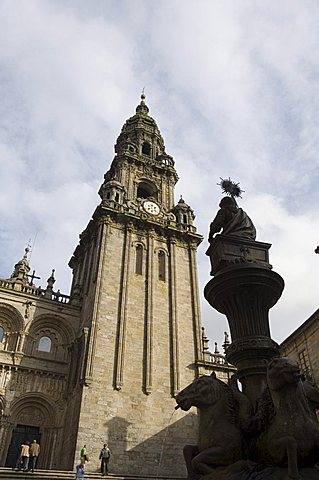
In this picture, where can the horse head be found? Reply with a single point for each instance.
(203, 392)
(282, 371)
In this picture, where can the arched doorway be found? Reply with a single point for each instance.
(21, 434)
(33, 417)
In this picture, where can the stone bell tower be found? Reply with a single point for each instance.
(134, 272)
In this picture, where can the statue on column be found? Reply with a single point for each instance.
(232, 220)
(269, 430)
(233, 226)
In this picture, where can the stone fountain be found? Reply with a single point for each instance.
(269, 430)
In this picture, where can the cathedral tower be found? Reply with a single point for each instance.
(134, 272)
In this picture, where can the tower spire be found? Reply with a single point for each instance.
(22, 268)
(142, 108)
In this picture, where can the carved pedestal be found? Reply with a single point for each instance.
(244, 289)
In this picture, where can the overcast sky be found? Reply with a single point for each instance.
(233, 87)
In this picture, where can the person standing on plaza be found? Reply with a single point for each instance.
(104, 457)
(84, 455)
(34, 453)
(25, 453)
(79, 470)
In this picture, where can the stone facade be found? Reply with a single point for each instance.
(302, 346)
(38, 330)
(140, 304)
(103, 364)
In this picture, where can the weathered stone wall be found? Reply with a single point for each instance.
(302, 346)
(142, 349)
(34, 383)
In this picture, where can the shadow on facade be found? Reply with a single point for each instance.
(159, 454)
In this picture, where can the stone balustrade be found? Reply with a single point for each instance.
(35, 291)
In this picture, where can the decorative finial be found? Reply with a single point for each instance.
(226, 341)
(22, 268)
(49, 289)
(27, 250)
(51, 280)
(230, 188)
(142, 108)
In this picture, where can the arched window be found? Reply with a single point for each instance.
(117, 197)
(139, 260)
(1, 334)
(146, 148)
(146, 189)
(161, 266)
(184, 218)
(45, 344)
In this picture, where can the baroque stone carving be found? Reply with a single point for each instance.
(232, 220)
(235, 444)
(280, 440)
(222, 411)
(291, 435)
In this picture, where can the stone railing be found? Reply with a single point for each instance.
(6, 284)
(217, 359)
(35, 291)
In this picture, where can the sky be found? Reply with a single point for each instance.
(233, 87)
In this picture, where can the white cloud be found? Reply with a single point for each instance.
(232, 86)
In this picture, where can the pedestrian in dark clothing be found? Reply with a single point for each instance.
(104, 457)
(19, 459)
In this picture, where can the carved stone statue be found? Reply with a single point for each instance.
(233, 221)
(279, 442)
(291, 435)
(222, 410)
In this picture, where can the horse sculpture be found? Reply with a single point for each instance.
(291, 437)
(221, 411)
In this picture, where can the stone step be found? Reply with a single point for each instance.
(9, 474)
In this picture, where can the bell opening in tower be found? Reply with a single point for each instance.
(146, 190)
(146, 148)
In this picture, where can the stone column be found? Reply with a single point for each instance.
(244, 289)
(21, 341)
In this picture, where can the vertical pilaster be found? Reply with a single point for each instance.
(97, 254)
(85, 342)
(174, 319)
(48, 451)
(122, 310)
(148, 341)
(195, 303)
(97, 301)
(6, 428)
(90, 254)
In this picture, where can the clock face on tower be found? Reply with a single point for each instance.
(151, 207)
